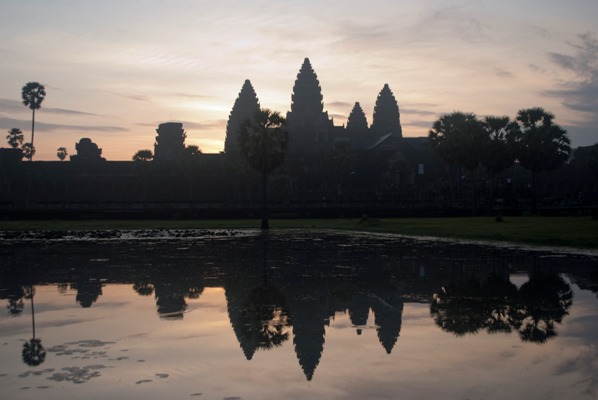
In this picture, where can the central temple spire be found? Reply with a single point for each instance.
(245, 107)
(308, 123)
(307, 94)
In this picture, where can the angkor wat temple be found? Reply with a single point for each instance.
(329, 170)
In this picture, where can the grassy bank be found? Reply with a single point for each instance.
(578, 232)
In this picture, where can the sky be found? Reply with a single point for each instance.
(113, 70)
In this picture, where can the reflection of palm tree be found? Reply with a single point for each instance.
(544, 301)
(143, 288)
(471, 307)
(14, 294)
(33, 352)
(501, 293)
(459, 310)
(88, 291)
(259, 317)
(269, 309)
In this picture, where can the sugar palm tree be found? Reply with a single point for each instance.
(28, 151)
(264, 140)
(540, 144)
(15, 137)
(143, 155)
(61, 153)
(33, 95)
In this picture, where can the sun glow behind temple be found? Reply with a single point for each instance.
(117, 61)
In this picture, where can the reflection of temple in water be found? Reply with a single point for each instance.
(290, 290)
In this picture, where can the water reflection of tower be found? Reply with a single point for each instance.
(388, 317)
(359, 310)
(257, 309)
(309, 318)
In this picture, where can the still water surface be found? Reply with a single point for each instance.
(299, 315)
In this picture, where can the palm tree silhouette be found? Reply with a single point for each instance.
(14, 138)
(33, 94)
(33, 353)
(264, 140)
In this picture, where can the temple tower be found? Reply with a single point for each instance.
(307, 121)
(245, 107)
(386, 114)
(357, 122)
(170, 142)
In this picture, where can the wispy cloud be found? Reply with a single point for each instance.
(580, 94)
(340, 104)
(8, 105)
(503, 73)
(414, 111)
(133, 96)
(192, 96)
(205, 125)
(419, 124)
(8, 123)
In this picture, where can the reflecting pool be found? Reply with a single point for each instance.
(293, 315)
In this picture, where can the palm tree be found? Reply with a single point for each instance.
(33, 95)
(15, 137)
(457, 138)
(593, 162)
(28, 151)
(143, 155)
(498, 154)
(540, 145)
(61, 153)
(264, 140)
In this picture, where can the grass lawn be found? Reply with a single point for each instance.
(578, 232)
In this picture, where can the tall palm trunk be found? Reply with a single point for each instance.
(265, 224)
(32, 132)
(32, 317)
(534, 198)
(473, 196)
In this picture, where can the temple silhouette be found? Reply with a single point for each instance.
(329, 170)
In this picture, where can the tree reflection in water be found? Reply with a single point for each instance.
(279, 288)
(499, 307)
(544, 300)
(33, 353)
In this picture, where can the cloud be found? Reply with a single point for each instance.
(580, 94)
(503, 73)
(136, 97)
(537, 68)
(340, 104)
(192, 96)
(8, 105)
(338, 116)
(205, 125)
(419, 124)
(7, 123)
(414, 111)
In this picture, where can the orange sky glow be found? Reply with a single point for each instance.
(114, 70)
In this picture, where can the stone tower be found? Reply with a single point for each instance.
(245, 107)
(357, 122)
(170, 142)
(386, 114)
(307, 121)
